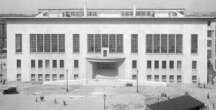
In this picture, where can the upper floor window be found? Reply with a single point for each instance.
(76, 43)
(209, 32)
(134, 43)
(179, 64)
(149, 46)
(171, 64)
(156, 63)
(32, 63)
(33, 43)
(194, 64)
(18, 63)
(61, 43)
(164, 64)
(47, 63)
(40, 63)
(61, 63)
(134, 64)
(148, 64)
(54, 63)
(18, 42)
(194, 43)
(76, 63)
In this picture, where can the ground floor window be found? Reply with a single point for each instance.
(164, 78)
(18, 77)
(156, 77)
(134, 76)
(40, 77)
(149, 77)
(32, 77)
(171, 78)
(194, 79)
(76, 76)
(61, 77)
(54, 77)
(47, 77)
(179, 78)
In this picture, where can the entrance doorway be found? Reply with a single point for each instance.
(105, 70)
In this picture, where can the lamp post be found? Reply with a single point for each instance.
(104, 101)
(67, 90)
(137, 73)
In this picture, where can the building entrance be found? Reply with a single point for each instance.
(105, 70)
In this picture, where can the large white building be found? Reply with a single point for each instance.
(160, 44)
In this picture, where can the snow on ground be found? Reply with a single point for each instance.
(92, 97)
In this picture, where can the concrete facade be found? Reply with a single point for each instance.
(125, 26)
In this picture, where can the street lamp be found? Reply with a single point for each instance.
(104, 101)
(67, 90)
(137, 73)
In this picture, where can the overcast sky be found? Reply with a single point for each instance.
(31, 6)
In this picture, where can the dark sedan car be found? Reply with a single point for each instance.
(11, 90)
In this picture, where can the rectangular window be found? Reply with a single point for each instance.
(119, 43)
(47, 42)
(33, 43)
(47, 63)
(148, 64)
(171, 78)
(97, 43)
(164, 64)
(76, 63)
(61, 77)
(179, 78)
(76, 43)
(194, 78)
(194, 43)
(32, 77)
(164, 43)
(32, 63)
(40, 43)
(209, 32)
(171, 43)
(156, 64)
(209, 53)
(104, 40)
(18, 42)
(134, 64)
(54, 77)
(40, 63)
(149, 77)
(61, 63)
(149, 43)
(156, 77)
(179, 43)
(179, 64)
(54, 63)
(54, 42)
(47, 77)
(164, 78)
(209, 43)
(171, 64)
(18, 63)
(112, 43)
(19, 77)
(134, 43)
(156, 43)
(194, 64)
(40, 77)
(61, 43)
(90, 43)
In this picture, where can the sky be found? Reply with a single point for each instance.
(31, 6)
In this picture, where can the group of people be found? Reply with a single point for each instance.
(42, 99)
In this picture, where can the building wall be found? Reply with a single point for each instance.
(119, 26)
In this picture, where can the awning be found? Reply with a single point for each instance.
(92, 59)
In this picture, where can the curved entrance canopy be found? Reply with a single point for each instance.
(104, 59)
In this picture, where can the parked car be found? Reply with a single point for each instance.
(11, 90)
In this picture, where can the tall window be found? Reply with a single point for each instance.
(179, 64)
(76, 44)
(209, 32)
(149, 43)
(148, 64)
(47, 63)
(134, 64)
(156, 63)
(54, 42)
(164, 64)
(33, 44)
(105, 40)
(61, 43)
(179, 43)
(39, 42)
(156, 43)
(97, 43)
(112, 43)
(76, 63)
(194, 64)
(119, 43)
(40, 63)
(54, 63)
(18, 63)
(164, 43)
(194, 43)
(32, 63)
(61, 63)
(134, 43)
(47, 42)
(18, 42)
(90, 43)
(171, 43)
(171, 64)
